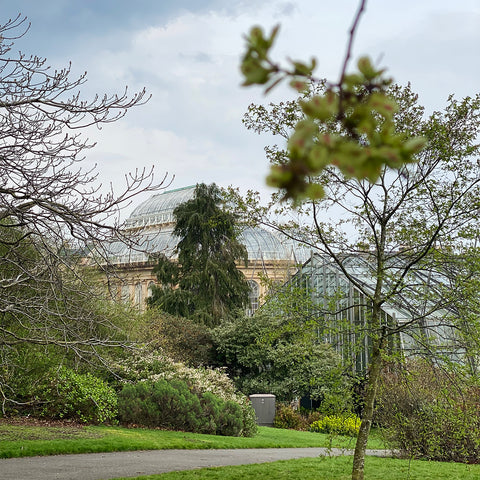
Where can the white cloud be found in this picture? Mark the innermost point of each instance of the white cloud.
(190, 63)
(192, 126)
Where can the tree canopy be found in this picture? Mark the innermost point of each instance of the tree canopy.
(279, 351)
(413, 225)
(204, 283)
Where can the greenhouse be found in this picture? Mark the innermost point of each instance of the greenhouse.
(150, 228)
(343, 311)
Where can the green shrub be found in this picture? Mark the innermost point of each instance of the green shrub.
(82, 397)
(250, 427)
(174, 405)
(26, 371)
(288, 417)
(337, 424)
(211, 406)
(160, 404)
(230, 419)
(280, 355)
(181, 339)
(151, 366)
(430, 413)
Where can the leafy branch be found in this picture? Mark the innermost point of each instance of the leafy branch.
(348, 125)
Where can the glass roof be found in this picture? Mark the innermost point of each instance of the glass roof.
(417, 282)
(146, 243)
(155, 218)
(158, 209)
(260, 244)
(263, 245)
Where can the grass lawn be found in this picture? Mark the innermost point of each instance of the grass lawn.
(331, 468)
(28, 440)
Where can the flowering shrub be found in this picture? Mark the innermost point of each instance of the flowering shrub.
(337, 424)
(153, 366)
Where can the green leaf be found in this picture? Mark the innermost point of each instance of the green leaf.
(382, 104)
(321, 107)
(414, 145)
(367, 69)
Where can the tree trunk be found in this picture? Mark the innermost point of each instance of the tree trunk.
(372, 386)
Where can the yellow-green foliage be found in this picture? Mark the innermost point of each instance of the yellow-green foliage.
(338, 424)
(82, 397)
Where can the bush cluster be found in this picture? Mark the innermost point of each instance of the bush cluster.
(201, 399)
(315, 421)
(181, 339)
(337, 424)
(280, 355)
(152, 366)
(286, 416)
(81, 397)
(427, 412)
(174, 405)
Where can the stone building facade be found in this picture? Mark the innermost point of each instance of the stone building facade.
(152, 224)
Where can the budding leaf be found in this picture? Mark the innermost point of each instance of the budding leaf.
(366, 68)
(414, 145)
(351, 126)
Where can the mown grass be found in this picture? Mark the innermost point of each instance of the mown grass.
(330, 468)
(24, 440)
(28, 440)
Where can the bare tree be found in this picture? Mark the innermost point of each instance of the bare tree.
(51, 208)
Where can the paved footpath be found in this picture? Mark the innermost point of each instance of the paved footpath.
(102, 466)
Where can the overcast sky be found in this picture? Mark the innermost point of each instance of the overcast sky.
(186, 53)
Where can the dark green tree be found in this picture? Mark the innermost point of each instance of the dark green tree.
(204, 284)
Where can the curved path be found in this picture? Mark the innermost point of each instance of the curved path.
(102, 466)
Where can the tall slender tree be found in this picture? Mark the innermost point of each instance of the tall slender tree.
(204, 283)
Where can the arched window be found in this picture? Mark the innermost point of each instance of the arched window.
(138, 294)
(253, 297)
(150, 289)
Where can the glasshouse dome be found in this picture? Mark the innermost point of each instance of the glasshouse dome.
(158, 209)
(151, 224)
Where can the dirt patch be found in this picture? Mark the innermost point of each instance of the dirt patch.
(28, 428)
(40, 422)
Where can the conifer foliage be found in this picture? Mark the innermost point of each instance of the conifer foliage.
(205, 283)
